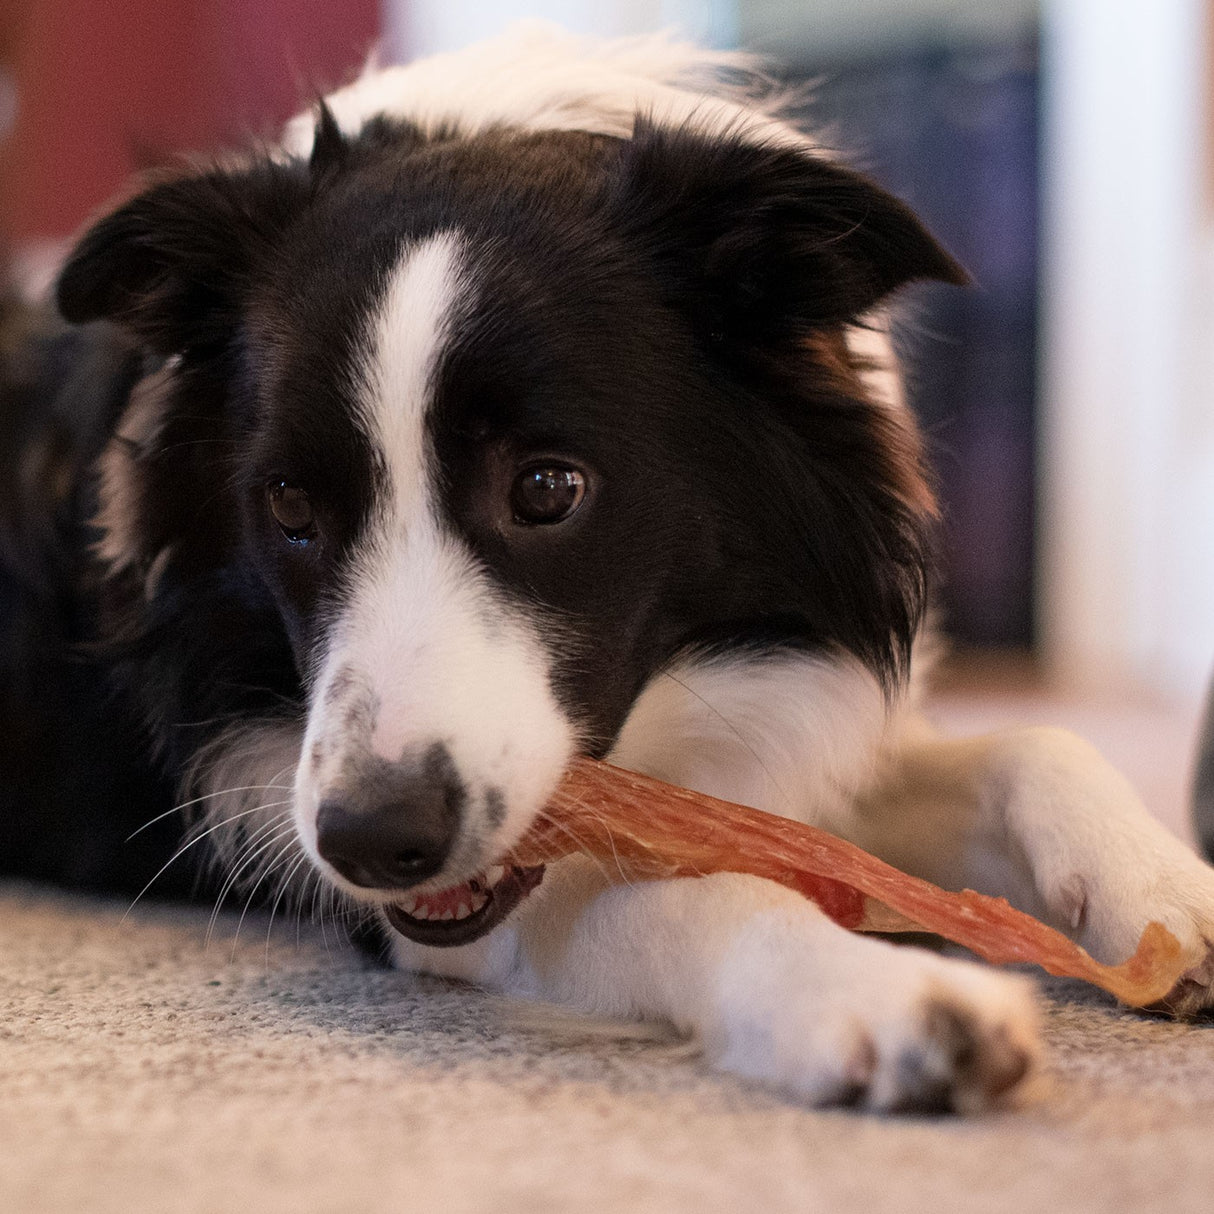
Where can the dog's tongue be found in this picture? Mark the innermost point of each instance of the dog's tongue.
(448, 899)
(448, 903)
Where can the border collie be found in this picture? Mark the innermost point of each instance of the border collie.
(523, 403)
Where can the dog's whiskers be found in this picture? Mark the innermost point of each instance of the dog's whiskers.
(267, 867)
(196, 839)
(284, 884)
(276, 829)
(219, 792)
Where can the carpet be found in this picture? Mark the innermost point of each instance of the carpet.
(270, 1068)
(142, 1068)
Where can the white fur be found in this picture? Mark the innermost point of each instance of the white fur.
(431, 650)
(538, 77)
(736, 727)
(421, 306)
(242, 790)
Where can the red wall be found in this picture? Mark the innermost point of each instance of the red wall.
(104, 86)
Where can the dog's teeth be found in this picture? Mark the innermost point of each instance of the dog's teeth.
(494, 875)
(409, 906)
(463, 911)
(447, 914)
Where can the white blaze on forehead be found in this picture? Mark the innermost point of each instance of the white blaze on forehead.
(427, 649)
(406, 341)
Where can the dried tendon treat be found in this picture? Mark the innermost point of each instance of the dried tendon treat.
(645, 829)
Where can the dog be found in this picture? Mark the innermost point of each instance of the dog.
(528, 402)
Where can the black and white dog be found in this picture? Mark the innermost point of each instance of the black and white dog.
(530, 402)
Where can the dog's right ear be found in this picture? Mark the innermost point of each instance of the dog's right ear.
(172, 265)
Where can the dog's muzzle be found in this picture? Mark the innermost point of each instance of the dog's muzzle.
(393, 826)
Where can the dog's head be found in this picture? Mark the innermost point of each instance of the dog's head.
(447, 445)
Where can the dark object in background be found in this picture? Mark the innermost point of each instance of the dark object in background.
(1203, 781)
(953, 130)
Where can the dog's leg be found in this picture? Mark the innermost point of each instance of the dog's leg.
(775, 990)
(1038, 816)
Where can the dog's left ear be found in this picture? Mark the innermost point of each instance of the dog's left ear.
(766, 243)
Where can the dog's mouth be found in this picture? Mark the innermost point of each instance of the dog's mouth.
(463, 913)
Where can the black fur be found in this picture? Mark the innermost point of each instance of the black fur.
(75, 779)
(664, 312)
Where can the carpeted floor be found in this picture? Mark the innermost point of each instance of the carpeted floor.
(143, 1069)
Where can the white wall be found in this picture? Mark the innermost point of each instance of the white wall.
(1127, 436)
(423, 27)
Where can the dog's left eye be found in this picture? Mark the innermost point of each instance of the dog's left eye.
(292, 511)
(547, 494)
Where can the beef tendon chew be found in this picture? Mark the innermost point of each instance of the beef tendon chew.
(639, 828)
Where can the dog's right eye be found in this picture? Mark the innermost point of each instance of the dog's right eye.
(293, 512)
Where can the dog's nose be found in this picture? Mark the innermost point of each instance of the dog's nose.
(396, 824)
(389, 847)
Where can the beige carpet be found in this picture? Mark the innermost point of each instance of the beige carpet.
(142, 1069)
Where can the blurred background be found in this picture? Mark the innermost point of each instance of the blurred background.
(1062, 150)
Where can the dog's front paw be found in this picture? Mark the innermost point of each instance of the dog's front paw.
(1105, 868)
(1110, 904)
(1102, 866)
(882, 1027)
